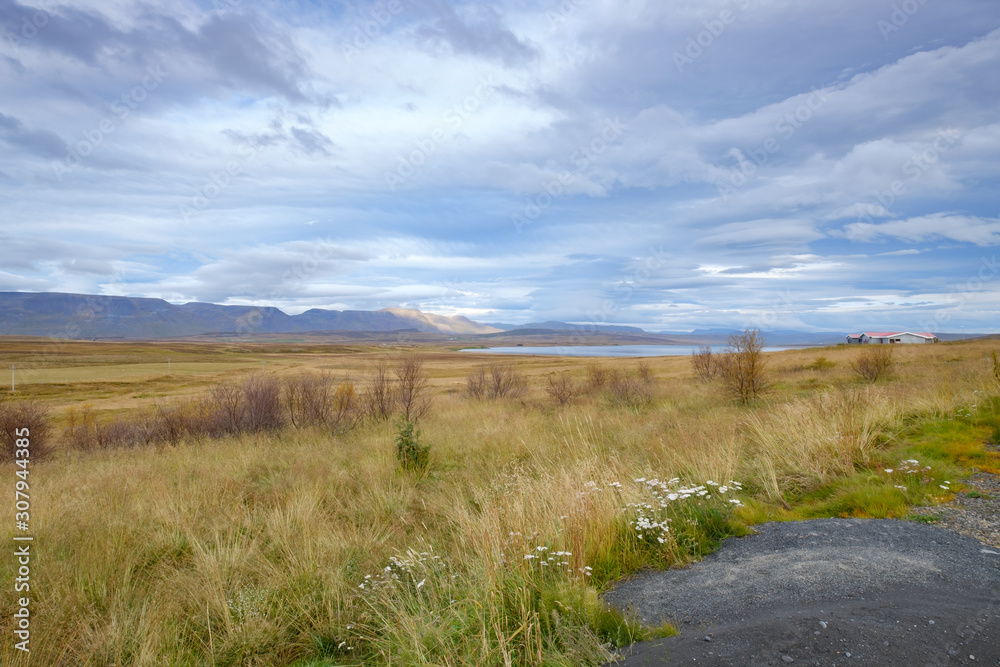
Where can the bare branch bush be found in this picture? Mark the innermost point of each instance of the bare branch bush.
(21, 415)
(597, 378)
(874, 362)
(321, 401)
(379, 396)
(633, 390)
(704, 363)
(742, 366)
(252, 405)
(562, 389)
(475, 383)
(411, 382)
(500, 379)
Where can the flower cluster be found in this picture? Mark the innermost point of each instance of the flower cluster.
(554, 560)
(412, 568)
(652, 520)
(910, 469)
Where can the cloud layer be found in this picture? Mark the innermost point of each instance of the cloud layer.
(668, 165)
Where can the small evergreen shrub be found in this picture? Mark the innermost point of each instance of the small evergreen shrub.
(411, 453)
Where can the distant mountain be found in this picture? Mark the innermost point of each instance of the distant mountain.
(61, 315)
(565, 326)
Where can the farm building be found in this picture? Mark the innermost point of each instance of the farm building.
(889, 337)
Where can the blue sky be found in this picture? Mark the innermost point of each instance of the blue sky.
(670, 165)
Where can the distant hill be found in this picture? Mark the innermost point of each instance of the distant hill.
(59, 315)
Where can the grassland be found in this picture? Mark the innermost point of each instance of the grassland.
(302, 547)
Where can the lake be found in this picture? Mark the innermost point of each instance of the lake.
(607, 350)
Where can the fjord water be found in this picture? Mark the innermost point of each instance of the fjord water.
(606, 350)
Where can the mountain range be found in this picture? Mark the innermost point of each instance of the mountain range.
(61, 315)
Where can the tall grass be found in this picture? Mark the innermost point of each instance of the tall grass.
(310, 546)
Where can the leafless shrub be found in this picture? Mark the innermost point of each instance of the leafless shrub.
(249, 406)
(79, 430)
(742, 366)
(320, 400)
(644, 372)
(475, 383)
(632, 390)
(562, 389)
(411, 382)
(20, 415)
(597, 378)
(379, 397)
(874, 362)
(500, 379)
(85, 432)
(704, 363)
(175, 422)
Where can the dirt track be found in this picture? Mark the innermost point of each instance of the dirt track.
(826, 592)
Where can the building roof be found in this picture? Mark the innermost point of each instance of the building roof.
(890, 334)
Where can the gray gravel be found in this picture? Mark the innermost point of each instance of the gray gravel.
(825, 592)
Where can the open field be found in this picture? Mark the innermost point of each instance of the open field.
(311, 547)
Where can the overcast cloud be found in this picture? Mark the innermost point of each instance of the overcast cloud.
(671, 165)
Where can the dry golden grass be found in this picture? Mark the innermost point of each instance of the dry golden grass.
(251, 551)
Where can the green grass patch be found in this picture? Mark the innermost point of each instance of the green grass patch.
(863, 495)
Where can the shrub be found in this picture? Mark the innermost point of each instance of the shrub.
(250, 406)
(411, 382)
(411, 453)
(704, 364)
(632, 390)
(562, 389)
(820, 364)
(17, 415)
(84, 432)
(597, 378)
(500, 379)
(379, 398)
(742, 366)
(319, 400)
(874, 362)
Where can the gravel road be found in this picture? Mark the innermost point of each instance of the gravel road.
(826, 592)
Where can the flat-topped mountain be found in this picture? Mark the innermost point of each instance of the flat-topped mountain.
(60, 315)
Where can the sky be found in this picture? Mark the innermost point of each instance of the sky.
(673, 165)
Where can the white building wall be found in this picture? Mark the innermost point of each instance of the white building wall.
(910, 338)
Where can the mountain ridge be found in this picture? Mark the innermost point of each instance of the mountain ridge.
(67, 315)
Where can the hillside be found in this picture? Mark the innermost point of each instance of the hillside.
(58, 315)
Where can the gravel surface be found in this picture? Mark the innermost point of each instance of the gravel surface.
(976, 514)
(826, 592)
